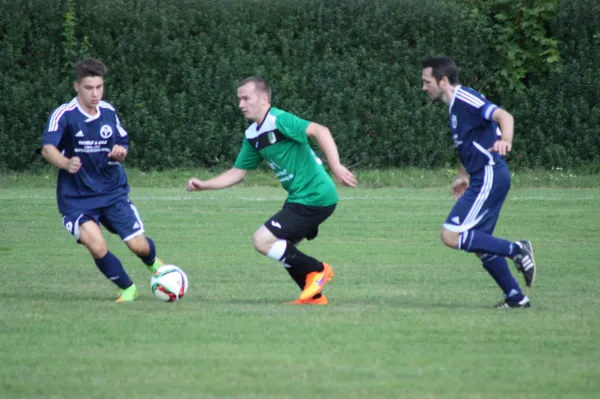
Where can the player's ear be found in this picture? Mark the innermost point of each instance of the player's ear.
(444, 81)
(76, 86)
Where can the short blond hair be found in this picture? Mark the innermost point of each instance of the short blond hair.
(260, 83)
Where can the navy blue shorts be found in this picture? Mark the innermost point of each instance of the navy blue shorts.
(479, 206)
(120, 218)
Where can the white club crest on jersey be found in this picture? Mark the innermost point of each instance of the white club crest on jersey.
(106, 131)
(272, 138)
(454, 121)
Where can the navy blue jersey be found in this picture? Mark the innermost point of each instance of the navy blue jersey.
(473, 130)
(100, 181)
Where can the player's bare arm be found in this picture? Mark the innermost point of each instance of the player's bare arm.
(224, 180)
(54, 157)
(507, 124)
(325, 139)
(118, 153)
(460, 183)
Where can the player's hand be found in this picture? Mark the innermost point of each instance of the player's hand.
(118, 153)
(344, 175)
(194, 185)
(459, 185)
(73, 165)
(501, 147)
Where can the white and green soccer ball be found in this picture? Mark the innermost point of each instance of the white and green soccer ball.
(169, 283)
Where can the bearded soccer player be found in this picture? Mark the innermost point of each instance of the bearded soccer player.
(84, 139)
(482, 133)
(282, 140)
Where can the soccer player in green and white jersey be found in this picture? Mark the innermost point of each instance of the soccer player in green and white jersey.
(282, 140)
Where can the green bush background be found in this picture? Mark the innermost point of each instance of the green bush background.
(352, 65)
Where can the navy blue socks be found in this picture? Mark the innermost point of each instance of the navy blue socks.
(151, 257)
(497, 267)
(112, 268)
(479, 242)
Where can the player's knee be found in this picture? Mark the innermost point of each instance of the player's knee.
(138, 245)
(91, 237)
(259, 243)
(450, 238)
(97, 249)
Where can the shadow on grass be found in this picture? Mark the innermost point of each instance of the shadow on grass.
(356, 304)
(351, 304)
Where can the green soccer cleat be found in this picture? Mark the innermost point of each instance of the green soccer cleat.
(128, 294)
(156, 265)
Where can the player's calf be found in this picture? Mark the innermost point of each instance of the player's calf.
(145, 249)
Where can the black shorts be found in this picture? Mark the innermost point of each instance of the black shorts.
(295, 222)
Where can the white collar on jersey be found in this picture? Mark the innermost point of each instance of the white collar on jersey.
(89, 117)
(453, 98)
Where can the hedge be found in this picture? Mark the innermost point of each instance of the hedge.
(352, 65)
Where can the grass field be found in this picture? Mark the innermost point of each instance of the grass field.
(408, 318)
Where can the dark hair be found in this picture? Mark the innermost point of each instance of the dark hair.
(260, 83)
(442, 66)
(89, 67)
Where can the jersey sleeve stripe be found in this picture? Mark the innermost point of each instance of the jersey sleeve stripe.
(122, 131)
(53, 125)
(489, 111)
(472, 96)
(469, 101)
(56, 115)
(474, 101)
(120, 128)
(104, 104)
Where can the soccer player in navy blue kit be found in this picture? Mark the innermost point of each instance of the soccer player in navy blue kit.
(482, 133)
(84, 139)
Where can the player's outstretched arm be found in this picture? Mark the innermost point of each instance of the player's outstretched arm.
(54, 157)
(325, 139)
(226, 179)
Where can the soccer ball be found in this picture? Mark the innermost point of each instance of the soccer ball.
(169, 283)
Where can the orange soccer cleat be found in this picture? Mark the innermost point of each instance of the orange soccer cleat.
(315, 281)
(322, 300)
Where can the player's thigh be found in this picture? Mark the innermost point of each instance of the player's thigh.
(84, 227)
(122, 218)
(91, 236)
(479, 207)
(295, 222)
